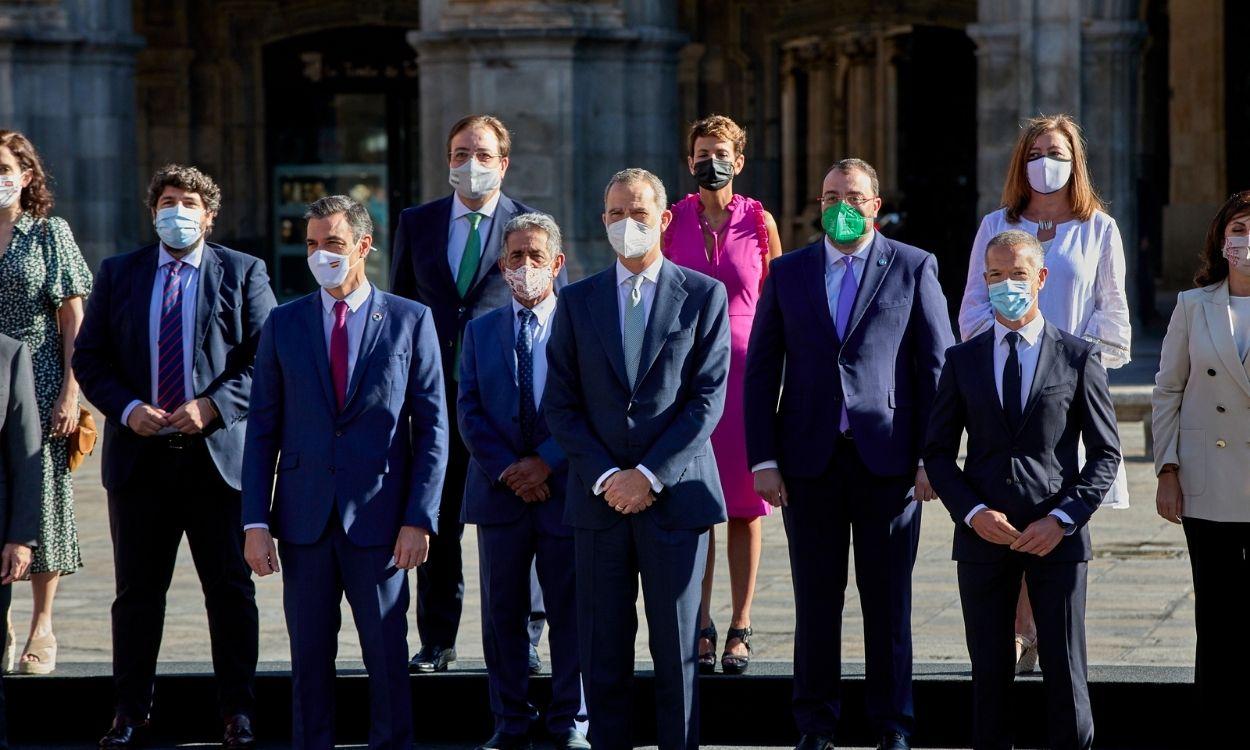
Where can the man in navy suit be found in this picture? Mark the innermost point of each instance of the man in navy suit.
(446, 256)
(515, 490)
(637, 366)
(1028, 395)
(843, 361)
(165, 351)
(347, 407)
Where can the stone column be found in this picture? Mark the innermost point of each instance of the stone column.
(587, 88)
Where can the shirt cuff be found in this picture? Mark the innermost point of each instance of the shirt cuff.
(764, 465)
(1069, 527)
(597, 489)
(129, 408)
(656, 485)
(968, 518)
(920, 464)
(248, 526)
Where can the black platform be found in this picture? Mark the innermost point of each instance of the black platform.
(1135, 708)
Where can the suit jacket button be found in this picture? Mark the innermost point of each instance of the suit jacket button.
(842, 361)
(461, 311)
(1009, 480)
(1211, 371)
(338, 433)
(1220, 444)
(1220, 408)
(331, 469)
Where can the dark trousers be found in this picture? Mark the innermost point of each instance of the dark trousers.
(6, 598)
(1219, 553)
(175, 492)
(508, 553)
(314, 579)
(988, 593)
(440, 581)
(823, 514)
(609, 564)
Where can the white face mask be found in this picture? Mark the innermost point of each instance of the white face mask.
(331, 269)
(1049, 175)
(179, 227)
(527, 282)
(1237, 251)
(474, 181)
(632, 239)
(10, 189)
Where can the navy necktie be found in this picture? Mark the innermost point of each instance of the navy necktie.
(525, 375)
(1011, 383)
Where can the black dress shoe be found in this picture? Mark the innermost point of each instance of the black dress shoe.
(894, 741)
(504, 741)
(238, 733)
(536, 664)
(571, 740)
(815, 742)
(124, 733)
(432, 659)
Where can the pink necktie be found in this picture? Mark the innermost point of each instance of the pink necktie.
(338, 353)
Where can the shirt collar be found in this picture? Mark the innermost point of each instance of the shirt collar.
(543, 310)
(1030, 332)
(650, 273)
(353, 300)
(487, 211)
(833, 254)
(24, 222)
(193, 258)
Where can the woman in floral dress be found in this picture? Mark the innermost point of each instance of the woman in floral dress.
(43, 279)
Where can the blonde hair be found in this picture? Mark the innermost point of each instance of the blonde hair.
(1082, 197)
(718, 126)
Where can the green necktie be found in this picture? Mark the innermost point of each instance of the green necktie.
(472, 256)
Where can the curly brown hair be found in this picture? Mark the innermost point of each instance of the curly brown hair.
(1213, 266)
(36, 197)
(185, 178)
(718, 126)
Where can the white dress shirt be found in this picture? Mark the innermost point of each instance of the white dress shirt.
(188, 279)
(357, 312)
(650, 276)
(1027, 350)
(459, 227)
(542, 333)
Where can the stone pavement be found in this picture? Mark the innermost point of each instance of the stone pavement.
(1141, 604)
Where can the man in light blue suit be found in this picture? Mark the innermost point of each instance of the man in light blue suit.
(637, 366)
(515, 490)
(347, 405)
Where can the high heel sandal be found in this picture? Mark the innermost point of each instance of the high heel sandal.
(43, 648)
(1026, 654)
(733, 663)
(707, 659)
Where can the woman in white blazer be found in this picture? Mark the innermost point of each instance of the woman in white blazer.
(1202, 452)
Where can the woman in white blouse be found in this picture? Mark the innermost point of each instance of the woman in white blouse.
(1202, 451)
(1048, 193)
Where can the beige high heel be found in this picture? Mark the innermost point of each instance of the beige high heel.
(43, 648)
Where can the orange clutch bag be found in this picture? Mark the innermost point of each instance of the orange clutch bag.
(82, 441)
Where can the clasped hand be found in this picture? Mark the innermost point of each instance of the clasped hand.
(1038, 538)
(190, 419)
(628, 491)
(528, 479)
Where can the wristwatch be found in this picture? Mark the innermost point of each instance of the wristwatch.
(1169, 469)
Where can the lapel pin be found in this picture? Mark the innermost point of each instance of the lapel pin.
(881, 261)
(377, 316)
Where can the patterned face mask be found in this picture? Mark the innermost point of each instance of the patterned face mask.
(1237, 251)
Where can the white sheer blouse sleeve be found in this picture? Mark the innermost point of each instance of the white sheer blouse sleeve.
(975, 313)
(1109, 326)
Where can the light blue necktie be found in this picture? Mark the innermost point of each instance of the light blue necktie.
(635, 329)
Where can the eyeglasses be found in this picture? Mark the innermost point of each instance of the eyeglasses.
(855, 199)
(485, 158)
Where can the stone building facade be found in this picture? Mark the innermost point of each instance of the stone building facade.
(284, 99)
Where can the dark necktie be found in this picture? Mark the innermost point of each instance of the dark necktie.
(170, 388)
(525, 375)
(338, 353)
(1011, 382)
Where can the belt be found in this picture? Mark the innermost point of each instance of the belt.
(176, 442)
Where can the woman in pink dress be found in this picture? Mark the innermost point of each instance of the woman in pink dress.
(732, 239)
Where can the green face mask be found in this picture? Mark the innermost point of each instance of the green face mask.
(843, 224)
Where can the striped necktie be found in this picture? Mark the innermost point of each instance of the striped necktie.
(635, 329)
(171, 388)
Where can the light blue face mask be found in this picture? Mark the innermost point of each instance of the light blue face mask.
(1011, 298)
(179, 226)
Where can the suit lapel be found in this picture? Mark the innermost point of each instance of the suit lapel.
(1048, 358)
(817, 293)
(507, 340)
(316, 336)
(669, 296)
(376, 312)
(207, 296)
(435, 260)
(142, 278)
(876, 266)
(505, 209)
(605, 312)
(1215, 308)
(989, 377)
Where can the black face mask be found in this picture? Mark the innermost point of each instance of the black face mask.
(713, 174)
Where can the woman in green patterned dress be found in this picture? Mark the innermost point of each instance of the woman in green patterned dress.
(43, 279)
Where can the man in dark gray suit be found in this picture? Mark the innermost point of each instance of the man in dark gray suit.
(1022, 500)
(637, 365)
(21, 476)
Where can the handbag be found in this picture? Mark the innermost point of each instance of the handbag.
(82, 440)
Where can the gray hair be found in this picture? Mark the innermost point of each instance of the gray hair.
(845, 166)
(539, 221)
(637, 174)
(357, 216)
(1019, 240)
